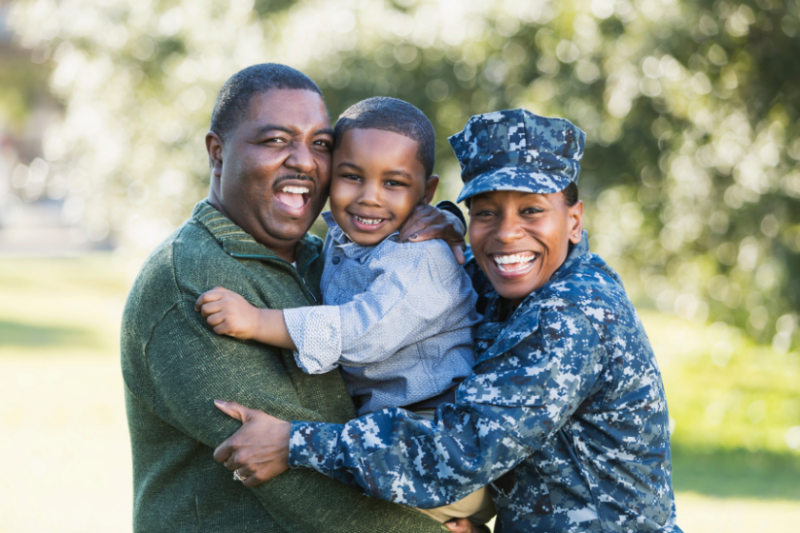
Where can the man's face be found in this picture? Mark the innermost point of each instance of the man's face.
(520, 239)
(274, 167)
(377, 181)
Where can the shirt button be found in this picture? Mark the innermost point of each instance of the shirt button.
(336, 260)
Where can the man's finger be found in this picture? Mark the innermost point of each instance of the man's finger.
(233, 410)
(458, 251)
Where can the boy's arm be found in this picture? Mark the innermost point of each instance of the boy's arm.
(190, 367)
(422, 294)
(230, 314)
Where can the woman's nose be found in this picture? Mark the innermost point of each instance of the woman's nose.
(508, 229)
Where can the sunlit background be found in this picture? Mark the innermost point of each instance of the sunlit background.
(691, 180)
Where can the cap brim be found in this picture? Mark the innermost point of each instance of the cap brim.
(514, 179)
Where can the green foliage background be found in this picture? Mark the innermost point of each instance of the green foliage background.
(690, 176)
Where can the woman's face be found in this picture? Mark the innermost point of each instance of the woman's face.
(519, 239)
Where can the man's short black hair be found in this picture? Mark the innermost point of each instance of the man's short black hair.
(234, 98)
(391, 114)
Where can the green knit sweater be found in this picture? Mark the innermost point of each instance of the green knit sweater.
(174, 366)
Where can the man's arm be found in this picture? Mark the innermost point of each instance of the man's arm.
(186, 382)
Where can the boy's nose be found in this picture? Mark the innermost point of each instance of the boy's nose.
(371, 194)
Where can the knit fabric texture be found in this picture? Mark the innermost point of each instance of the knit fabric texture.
(174, 366)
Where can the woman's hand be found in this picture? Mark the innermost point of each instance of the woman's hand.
(259, 450)
(427, 222)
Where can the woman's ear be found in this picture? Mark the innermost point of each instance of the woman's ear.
(430, 189)
(575, 214)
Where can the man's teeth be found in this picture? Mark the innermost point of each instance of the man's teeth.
(368, 221)
(295, 190)
(518, 260)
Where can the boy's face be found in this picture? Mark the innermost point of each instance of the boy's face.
(375, 184)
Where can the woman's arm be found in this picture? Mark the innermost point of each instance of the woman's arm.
(230, 314)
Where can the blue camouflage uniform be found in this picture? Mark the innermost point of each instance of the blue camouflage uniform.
(564, 417)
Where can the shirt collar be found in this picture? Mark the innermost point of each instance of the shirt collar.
(237, 242)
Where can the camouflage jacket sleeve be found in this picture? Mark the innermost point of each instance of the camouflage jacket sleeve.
(515, 400)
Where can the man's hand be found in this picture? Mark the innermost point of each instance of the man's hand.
(228, 313)
(427, 222)
(259, 450)
(463, 525)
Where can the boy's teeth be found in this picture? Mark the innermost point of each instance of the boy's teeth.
(368, 221)
(295, 190)
(518, 260)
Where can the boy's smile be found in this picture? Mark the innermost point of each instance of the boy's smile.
(377, 181)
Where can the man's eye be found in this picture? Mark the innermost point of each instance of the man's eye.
(275, 140)
(324, 144)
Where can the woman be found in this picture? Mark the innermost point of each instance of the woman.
(564, 417)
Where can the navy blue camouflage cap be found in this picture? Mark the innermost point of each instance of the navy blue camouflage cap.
(515, 150)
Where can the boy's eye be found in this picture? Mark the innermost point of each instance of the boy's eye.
(395, 183)
(351, 177)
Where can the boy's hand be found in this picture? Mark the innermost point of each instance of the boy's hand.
(228, 313)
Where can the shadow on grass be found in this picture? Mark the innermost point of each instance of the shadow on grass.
(736, 473)
(17, 334)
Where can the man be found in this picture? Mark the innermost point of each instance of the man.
(269, 152)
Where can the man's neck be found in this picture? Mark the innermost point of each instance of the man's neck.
(285, 253)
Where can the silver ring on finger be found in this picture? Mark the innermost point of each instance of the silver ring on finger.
(238, 477)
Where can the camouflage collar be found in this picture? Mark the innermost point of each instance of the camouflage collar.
(238, 243)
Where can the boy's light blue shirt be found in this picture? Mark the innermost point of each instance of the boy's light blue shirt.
(397, 317)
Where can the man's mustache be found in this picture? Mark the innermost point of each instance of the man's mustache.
(296, 177)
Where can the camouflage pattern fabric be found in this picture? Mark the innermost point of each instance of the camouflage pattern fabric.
(565, 419)
(515, 150)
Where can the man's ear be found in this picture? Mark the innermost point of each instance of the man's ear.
(430, 189)
(575, 214)
(214, 149)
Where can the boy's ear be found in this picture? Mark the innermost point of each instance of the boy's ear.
(430, 189)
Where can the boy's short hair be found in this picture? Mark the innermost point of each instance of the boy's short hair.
(391, 114)
(234, 98)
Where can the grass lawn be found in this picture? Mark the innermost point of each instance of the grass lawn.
(65, 438)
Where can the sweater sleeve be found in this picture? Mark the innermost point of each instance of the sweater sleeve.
(190, 366)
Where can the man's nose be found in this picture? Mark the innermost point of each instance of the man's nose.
(301, 158)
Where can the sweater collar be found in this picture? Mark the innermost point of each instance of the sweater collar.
(238, 243)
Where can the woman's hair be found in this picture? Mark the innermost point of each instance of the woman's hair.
(570, 194)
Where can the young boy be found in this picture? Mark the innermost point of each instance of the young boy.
(396, 317)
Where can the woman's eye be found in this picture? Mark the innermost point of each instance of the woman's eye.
(532, 211)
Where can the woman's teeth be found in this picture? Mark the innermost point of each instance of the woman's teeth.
(368, 221)
(513, 262)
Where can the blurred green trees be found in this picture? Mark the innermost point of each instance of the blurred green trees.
(691, 111)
